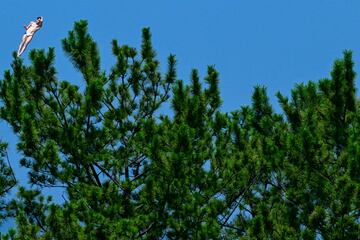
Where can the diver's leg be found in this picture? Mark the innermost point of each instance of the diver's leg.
(23, 40)
(27, 41)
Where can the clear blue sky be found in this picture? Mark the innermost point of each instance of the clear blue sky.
(275, 43)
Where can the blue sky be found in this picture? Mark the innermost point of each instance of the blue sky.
(275, 43)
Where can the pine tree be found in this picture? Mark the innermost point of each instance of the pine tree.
(129, 171)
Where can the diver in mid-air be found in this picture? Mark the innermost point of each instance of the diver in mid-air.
(31, 29)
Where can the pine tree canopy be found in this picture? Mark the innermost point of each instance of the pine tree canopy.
(128, 169)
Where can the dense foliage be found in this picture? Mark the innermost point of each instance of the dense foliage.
(7, 181)
(127, 170)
